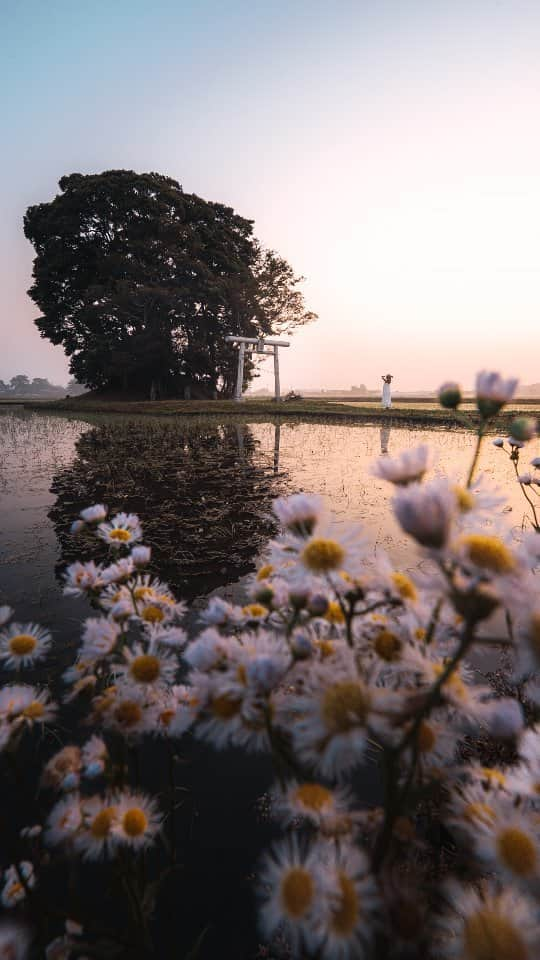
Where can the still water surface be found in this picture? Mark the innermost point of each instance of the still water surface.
(203, 489)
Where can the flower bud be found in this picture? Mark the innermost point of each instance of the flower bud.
(505, 720)
(264, 595)
(301, 646)
(318, 605)
(298, 599)
(450, 395)
(141, 556)
(523, 428)
(77, 527)
(525, 479)
(498, 442)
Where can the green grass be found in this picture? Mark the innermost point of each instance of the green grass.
(428, 413)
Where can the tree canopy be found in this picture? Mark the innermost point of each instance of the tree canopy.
(140, 282)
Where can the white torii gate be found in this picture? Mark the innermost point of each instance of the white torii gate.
(259, 346)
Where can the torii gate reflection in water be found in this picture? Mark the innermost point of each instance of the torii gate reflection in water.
(256, 345)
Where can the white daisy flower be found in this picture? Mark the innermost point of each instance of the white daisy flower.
(219, 612)
(209, 650)
(458, 690)
(61, 772)
(125, 710)
(165, 636)
(349, 906)
(510, 845)
(94, 756)
(23, 644)
(118, 572)
(333, 716)
(408, 467)
(492, 392)
(300, 513)
(290, 887)
(123, 530)
(96, 838)
(94, 514)
(488, 924)
(312, 802)
(64, 821)
(137, 820)
(327, 553)
(99, 638)
(146, 669)
(426, 512)
(82, 578)
(17, 880)
(468, 806)
(25, 703)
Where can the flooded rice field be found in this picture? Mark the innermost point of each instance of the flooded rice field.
(203, 489)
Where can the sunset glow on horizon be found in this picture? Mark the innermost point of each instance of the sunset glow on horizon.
(390, 151)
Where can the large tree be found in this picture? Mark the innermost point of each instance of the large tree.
(140, 282)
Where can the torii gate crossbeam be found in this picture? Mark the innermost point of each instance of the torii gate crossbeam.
(259, 345)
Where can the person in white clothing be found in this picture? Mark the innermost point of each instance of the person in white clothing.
(386, 394)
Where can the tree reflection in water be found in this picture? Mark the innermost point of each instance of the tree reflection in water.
(202, 489)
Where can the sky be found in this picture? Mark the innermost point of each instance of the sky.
(389, 149)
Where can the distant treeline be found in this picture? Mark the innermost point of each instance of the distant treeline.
(22, 386)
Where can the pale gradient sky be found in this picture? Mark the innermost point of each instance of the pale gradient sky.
(390, 149)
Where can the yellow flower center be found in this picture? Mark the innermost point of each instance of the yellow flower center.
(265, 571)
(22, 644)
(297, 891)
(334, 613)
(420, 633)
(313, 796)
(465, 499)
(404, 586)
(488, 936)
(454, 683)
(15, 889)
(225, 707)
(493, 776)
(141, 592)
(152, 614)
(479, 811)
(345, 916)
(488, 553)
(165, 717)
(426, 737)
(321, 555)
(345, 705)
(517, 851)
(145, 669)
(326, 648)
(128, 713)
(255, 610)
(34, 710)
(123, 536)
(387, 645)
(102, 823)
(134, 822)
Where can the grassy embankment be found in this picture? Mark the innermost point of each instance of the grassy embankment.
(409, 411)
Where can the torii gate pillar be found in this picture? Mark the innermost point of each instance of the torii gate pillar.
(259, 346)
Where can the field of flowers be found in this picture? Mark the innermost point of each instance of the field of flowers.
(337, 662)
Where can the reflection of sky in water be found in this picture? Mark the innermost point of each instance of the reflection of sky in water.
(333, 460)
